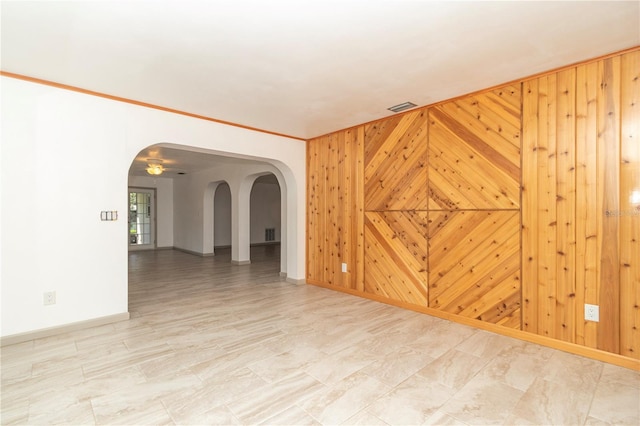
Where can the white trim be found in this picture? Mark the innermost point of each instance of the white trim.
(65, 328)
(195, 253)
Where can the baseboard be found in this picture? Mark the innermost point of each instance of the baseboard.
(60, 329)
(266, 243)
(283, 275)
(296, 282)
(195, 253)
(240, 262)
(597, 354)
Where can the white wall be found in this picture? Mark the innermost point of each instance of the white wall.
(194, 207)
(164, 206)
(52, 195)
(222, 216)
(265, 210)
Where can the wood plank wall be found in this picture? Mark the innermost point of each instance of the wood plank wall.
(581, 219)
(515, 206)
(335, 209)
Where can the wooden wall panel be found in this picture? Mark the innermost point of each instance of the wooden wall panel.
(630, 207)
(444, 209)
(395, 174)
(580, 167)
(474, 152)
(608, 192)
(587, 283)
(474, 264)
(530, 191)
(549, 206)
(396, 255)
(335, 209)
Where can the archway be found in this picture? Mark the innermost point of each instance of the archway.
(194, 225)
(265, 211)
(222, 217)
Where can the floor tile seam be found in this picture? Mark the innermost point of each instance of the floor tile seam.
(505, 422)
(119, 364)
(5, 382)
(593, 396)
(40, 357)
(385, 394)
(298, 399)
(98, 376)
(584, 413)
(235, 416)
(168, 411)
(513, 389)
(458, 419)
(93, 411)
(298, 405)
(367, 411)
(480, 369)
(554, 379)
(359, 370)
(589, 414)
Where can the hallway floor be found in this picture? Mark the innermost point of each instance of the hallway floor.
(213, 343)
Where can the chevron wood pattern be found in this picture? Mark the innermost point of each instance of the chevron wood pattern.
(474, 264)
(396, 255)
(395, 173)
(474, 152)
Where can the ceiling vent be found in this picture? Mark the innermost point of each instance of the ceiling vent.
(402, 107)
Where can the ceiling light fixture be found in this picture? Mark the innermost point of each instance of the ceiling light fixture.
(154, 166)
(402, 107)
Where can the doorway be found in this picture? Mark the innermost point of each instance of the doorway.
(142, 220)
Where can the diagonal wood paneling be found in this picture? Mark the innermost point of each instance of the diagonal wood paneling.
(474, 264)
(395, 173)
(396, 255)
(474, 152)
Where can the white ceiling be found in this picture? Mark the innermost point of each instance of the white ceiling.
(178, 161)
(303, 68)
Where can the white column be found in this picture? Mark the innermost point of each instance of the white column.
(208, 219)
(240, 224)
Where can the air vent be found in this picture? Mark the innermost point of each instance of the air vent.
(402, 107)
(270, 234)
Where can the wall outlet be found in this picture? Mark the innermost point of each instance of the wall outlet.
(592, 312)
(344, 267)
(49, 297)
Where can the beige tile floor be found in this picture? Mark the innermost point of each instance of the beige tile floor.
(213, 343)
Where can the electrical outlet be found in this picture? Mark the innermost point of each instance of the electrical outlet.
(49, 297)
(344, 267)
(591, 312)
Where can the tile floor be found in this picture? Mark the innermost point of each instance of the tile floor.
(213, 343)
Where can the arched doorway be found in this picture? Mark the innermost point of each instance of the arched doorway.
(265, 217)
(195, 191)
(222, 217)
